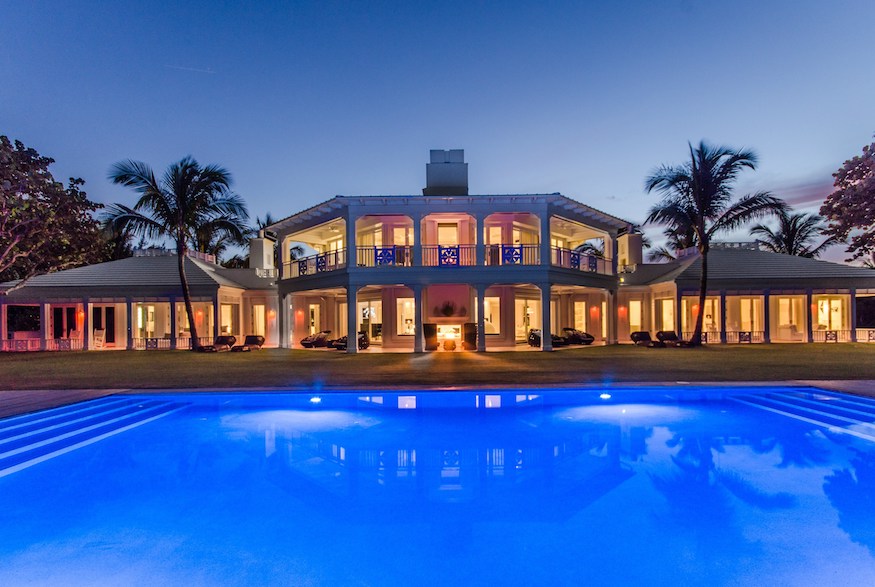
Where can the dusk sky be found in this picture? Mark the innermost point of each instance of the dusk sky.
(305, 100)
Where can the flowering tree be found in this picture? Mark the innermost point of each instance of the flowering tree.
(850, 209)
(43, 225)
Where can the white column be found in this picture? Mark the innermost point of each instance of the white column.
(418, 340)
(129, 316)
(546, 339)
(351, 251)
(286, 323)
(44, 324)
(417, 240)
(86, 325)
(480, 251)
(545, 240)
(810, 326)
(173, 333)
(352, 326)
(481, 319)
(612, 316)
(216, 316)
(853, 315)
(4, 321)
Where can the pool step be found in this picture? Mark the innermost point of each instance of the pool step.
(839, 413)
(26, 441)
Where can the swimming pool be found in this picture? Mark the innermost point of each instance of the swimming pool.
(656, 486)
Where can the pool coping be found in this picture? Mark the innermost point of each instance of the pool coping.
(17, 402)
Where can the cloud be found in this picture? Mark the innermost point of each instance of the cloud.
(195, 69)
(805, 194)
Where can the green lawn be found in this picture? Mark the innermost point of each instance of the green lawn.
(283, 368)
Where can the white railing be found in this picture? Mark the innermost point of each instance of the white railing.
(22, 345)
(745, 336)
(449, 255)
(831, 336)
(513, 254)
(151, 344)
(330, 261)
(580, 262)
(64, 344)
(395, 255)
(865, 334)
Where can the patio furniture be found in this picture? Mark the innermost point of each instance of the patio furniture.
(250, 343)
(320, 339)
(220, 345)
(670, 338)
(642, 338)
(575, 336)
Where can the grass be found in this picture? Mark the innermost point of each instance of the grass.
(279, 368)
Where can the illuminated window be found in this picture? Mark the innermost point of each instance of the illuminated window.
(448, 234)
(580, 316)
(635, 319)
(491, 315)
(405, 316)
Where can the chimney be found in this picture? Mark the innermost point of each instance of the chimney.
(446, 174)
(261, 251)
(630, 249)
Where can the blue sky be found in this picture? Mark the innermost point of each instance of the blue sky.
(305, 100)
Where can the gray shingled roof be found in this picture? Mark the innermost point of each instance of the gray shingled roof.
(740, 267)
(138, 276)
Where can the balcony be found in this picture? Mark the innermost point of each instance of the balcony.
(574, 260)
(445, 256)
(330, 261)
(449, 255)
(400, 256)
(513, 254)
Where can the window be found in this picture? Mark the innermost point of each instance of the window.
(448, 234)
(493, 235)
(635, 318)
(257, 326)
(229, 319)
(492, 315)
(402, 236)
(580, 316)
(405, 317)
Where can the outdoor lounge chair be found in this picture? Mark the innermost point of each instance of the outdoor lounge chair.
(670, 338)
(220, 345)
(250, 343)
(642, 338)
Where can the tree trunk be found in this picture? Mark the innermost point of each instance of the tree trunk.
(696, 339)
(186, 295)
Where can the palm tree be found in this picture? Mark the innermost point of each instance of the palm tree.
(698, 194)
(678, 238)
(187, 198)
(793, 235)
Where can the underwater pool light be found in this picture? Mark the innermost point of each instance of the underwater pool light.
(316, 400)
(605, 396)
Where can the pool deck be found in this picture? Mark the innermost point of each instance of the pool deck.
(15, 402)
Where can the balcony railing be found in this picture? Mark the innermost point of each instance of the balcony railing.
(449, 255)
(64, 344)
(513, 254)
(445, 256)
(866, 335)
(831, 336)
(330, 261)
(20, 345)
(396, 255)
(571, 259)
(745, 336)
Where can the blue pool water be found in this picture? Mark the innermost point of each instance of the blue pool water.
(719, 486)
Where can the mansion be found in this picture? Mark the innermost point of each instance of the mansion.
(413, 272)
